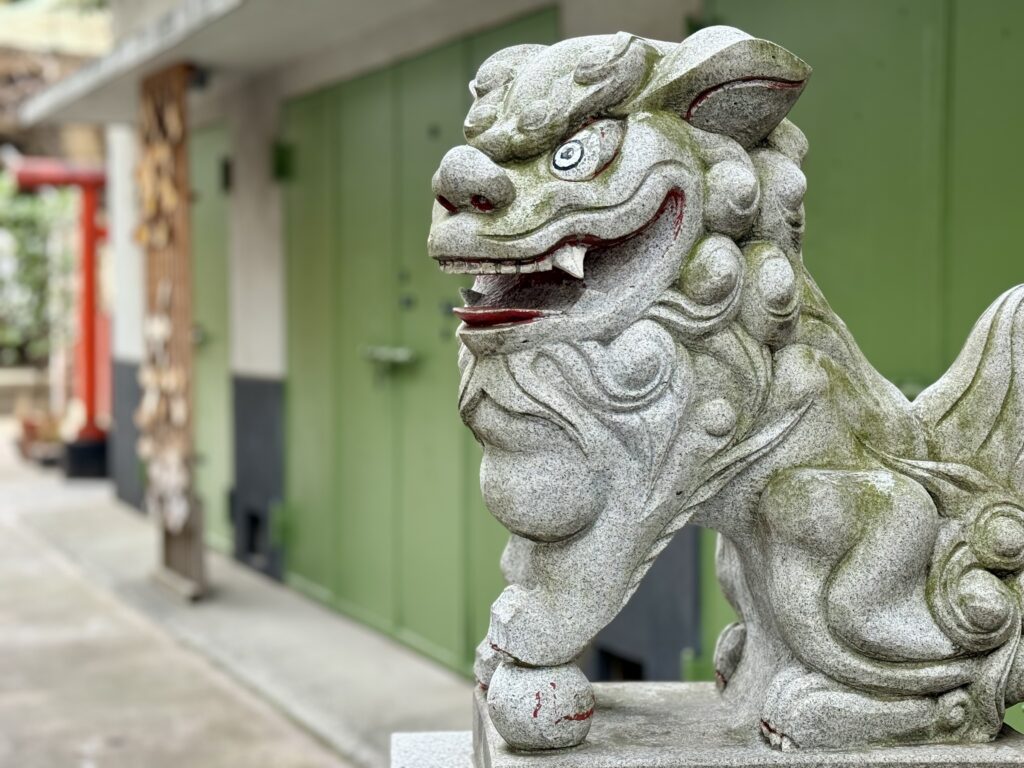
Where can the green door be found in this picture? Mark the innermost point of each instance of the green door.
(985, 168)
(384, 518)
(911, 186)
(212, 401)
(430, 525)
(309, 532)
(364, 321)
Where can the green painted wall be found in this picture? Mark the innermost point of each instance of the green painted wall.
(912, 118)
(212, 401)
(383, 512)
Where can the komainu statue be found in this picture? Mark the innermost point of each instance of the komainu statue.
(643, 348)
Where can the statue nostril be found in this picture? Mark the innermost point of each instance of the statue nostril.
(481, 203)
(447, 204)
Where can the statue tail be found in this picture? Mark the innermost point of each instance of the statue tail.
(974, 414)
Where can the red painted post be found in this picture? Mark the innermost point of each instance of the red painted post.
(90, 235)
(34, 172)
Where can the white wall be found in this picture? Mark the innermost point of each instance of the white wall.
(256, 259)
(128, 263)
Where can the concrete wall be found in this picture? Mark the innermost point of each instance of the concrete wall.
(128, 264)
(128, 16)
(129, 298)
(256, 259)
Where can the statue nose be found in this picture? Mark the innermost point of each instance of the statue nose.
(469, 180)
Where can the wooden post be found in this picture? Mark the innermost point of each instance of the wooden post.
(165, 415)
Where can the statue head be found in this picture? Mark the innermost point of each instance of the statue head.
(618, 199)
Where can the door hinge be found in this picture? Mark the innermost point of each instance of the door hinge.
(282, 161)
(226, 174)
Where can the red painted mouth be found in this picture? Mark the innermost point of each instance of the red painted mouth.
(483, 316)
(505, 287)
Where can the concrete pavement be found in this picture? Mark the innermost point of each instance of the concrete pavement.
(271, 658)
(87, 683)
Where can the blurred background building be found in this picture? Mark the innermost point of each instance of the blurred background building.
(41, 42)
(322, 377)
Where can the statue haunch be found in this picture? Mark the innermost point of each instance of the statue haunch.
(643, 348)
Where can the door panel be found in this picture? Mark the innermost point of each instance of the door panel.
(384, 517)
(985, 167)
(912, 180)
(364, 319)
(310, 463)
(212, 399)
(873, 113)
(432, 99)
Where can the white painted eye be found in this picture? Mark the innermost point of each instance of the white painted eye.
(568, 155)
(588, 152)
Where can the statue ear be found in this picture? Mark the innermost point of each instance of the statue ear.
(725, 81)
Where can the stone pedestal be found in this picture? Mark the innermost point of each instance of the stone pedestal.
(673, 725)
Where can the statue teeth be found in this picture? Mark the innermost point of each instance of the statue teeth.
(470, 297)
(569, 258)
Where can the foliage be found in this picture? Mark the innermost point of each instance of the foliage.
(31, 261)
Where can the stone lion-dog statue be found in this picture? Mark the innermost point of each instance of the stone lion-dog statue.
(643, 348)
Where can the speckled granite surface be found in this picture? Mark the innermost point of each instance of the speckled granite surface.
(674, 725)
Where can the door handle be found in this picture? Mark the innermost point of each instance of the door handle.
(389, 356)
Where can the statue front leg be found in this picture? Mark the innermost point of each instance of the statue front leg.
(566, 593)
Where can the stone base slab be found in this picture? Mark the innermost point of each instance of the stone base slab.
(674, 725)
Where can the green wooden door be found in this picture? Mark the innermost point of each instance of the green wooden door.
(431, 526)
(986, 116)
(873, 113)
(310, 467)
(384, 517)
(363, 203)
(911, 187)
(212, 400)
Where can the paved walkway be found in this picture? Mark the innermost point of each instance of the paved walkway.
(101, 668)
(86, 683)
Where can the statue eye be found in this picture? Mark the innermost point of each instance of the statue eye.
(588, 152)
(568, 155)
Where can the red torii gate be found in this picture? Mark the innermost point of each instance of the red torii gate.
(87, 456)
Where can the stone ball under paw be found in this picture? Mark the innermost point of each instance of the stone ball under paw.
(541, 707)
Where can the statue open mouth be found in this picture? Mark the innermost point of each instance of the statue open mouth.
(553, 283)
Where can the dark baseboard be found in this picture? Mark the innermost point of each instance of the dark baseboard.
(259, 471)
(124, 466)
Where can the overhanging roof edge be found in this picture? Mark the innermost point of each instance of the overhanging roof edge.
(129, 56)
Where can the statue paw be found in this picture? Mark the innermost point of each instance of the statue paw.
(525, 628)
(807, 709)
(728, 652)
(776, 739)
(486, 662)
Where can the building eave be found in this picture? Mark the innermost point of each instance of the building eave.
(308, 44)
(105, 90)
